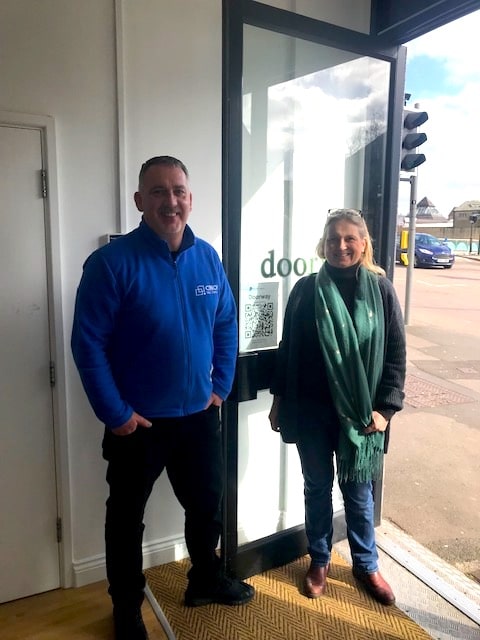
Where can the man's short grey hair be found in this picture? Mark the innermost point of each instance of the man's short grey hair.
(167, 161)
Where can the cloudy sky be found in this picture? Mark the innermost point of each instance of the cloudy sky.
(443, 76)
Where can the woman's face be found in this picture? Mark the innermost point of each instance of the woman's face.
(343, 245)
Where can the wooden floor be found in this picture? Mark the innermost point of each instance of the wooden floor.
(67, 614)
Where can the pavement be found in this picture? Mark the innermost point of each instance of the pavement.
(435, 444)
(429, 539)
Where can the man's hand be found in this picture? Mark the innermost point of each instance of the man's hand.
(131, 425)
(378, 423)
(215, 400)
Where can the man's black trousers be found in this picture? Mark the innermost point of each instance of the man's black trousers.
(190, 449)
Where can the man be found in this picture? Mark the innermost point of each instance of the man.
(155, 341)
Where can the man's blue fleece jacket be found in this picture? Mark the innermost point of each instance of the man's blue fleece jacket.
(153, 333)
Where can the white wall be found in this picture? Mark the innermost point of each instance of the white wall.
(173, 80)
(173, 105)
(59, 58)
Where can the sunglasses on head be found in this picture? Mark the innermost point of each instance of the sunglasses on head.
(345, 212)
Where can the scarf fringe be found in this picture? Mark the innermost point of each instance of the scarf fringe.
(364, 466)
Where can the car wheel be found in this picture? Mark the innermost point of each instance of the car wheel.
(448, 266)
(416, 264)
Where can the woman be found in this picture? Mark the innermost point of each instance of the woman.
(339, 380)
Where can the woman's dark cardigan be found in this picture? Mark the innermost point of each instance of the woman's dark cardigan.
(285, 379)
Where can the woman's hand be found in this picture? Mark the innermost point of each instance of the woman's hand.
(378, 423)
(273, 415)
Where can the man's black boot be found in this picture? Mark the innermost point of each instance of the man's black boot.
(128, 623)
(222, 591)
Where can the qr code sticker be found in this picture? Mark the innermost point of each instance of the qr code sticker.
(259, 320)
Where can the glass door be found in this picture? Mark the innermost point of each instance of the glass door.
(313, 137)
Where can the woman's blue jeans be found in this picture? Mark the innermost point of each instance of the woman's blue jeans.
(316, 446)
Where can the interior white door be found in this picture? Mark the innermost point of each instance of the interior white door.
(29, 554)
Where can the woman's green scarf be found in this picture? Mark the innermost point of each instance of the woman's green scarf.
(354, 353)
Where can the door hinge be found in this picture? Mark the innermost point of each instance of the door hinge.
(52, 373)
(59, 530)
(43, 178)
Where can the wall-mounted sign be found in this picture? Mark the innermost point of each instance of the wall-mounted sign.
(258, 316)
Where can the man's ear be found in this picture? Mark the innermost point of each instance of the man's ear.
(138, 200)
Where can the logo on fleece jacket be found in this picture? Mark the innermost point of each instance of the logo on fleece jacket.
(206, 289)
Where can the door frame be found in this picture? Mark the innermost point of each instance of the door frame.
(283, 547)
(46, 126)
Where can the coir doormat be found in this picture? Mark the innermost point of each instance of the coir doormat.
(279, 611)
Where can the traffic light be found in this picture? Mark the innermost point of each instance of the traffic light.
(412, 139)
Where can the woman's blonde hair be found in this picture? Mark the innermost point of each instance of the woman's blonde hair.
(354, 217)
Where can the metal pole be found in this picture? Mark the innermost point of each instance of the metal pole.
(411, 245)
(159, 613)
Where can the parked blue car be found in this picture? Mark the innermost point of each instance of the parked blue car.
(429, 252)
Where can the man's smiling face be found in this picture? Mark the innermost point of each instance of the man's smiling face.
(165, 199)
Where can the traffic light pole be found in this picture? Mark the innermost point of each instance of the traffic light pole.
(409, 161)
(473, 221)
(412, 222)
